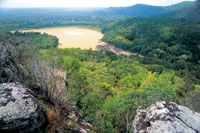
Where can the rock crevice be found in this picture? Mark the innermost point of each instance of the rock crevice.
(8, 68)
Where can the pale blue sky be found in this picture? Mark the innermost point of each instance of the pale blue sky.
(83, 3)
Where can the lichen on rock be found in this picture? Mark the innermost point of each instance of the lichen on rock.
(19, 110)
(164, 117)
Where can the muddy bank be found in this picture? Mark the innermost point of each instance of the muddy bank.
(114, 49)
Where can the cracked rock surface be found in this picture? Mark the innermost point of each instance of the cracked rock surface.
(19, 110)
(8, 68)
(164, 117)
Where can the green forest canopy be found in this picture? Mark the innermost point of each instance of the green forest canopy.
(107, 88)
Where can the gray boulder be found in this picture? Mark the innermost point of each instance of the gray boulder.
(8, 67)
(165, 117)
(19, 110)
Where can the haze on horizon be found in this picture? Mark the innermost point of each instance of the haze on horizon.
(82, 3)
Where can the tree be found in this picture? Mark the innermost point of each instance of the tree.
(192, 99)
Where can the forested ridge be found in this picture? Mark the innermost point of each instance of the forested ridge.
(108, 88)
(28, 18)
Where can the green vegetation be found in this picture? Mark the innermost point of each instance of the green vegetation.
(174, 45)
(108, 88)
(18, 19)
(192, 99)
(41, 41)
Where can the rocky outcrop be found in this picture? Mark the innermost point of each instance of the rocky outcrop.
(8, 68)
(81, 125)
(165, 117)
(19, 110)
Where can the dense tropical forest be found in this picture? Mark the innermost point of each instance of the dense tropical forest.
(108, 88)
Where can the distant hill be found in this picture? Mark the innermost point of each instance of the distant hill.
(183, 9)
(180, 10)
(179, 6)
(140, 10)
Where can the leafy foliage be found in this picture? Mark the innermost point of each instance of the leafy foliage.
(108, 90)
(41, 41)
(174, 45)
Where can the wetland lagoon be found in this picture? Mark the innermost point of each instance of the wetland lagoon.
(73, 37)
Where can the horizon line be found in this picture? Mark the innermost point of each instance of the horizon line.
(92, 7)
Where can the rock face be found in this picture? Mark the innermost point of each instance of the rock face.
(8, 69)
(19, 110)
(81, 125)
(165, 117)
